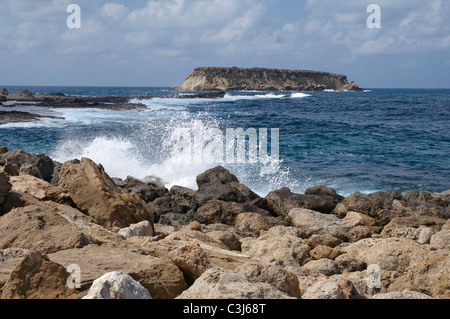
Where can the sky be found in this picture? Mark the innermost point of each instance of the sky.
(159, 43)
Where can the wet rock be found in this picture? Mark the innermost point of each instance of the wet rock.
(326, 192)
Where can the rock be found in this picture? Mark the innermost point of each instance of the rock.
(275, 275)
(351, 262)
(26, 94)
(217, 175)
(426, 199)
(95, 194)
(321, 251)
(191, 260)
(325, 192)
(3, 149)
(11, 170)
(359, 232)
(425, 236)
(404, 264)
(377, 205)
(262, 79)
(49, 227)
(323, 266)
(405, 294)
(11, 253)
(176, 220)
(147, 191)
(37, 163)
(282, 201)
(39, 189)
(141, 229)
(228, 239)
(410, 226)
(279, 244)
(5, 187)
(165, 205)
(4, 91)
(217, 211)
(336, 288)
(358, 219)
(185, 198)
(217, 283)
(117, 285)
(325, 239)
(37, 277)
(314, 223)
(257, 223)
(441, 240)
(159, 276)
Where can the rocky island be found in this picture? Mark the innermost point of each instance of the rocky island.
(137, 239)
(261, 79)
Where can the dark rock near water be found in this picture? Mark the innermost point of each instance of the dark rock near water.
(41, 165)
(4, 91)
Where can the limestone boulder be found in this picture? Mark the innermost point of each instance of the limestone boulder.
(95, 194)
(117, 285)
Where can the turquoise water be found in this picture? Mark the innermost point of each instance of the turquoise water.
(383, 139)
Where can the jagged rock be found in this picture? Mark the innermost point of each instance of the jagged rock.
(425, 236)
(325, 239)
(314, 223)
(159, 276)
(275, 275)
(117, 285)
(282, 201)
(405, 294)
(39, 189)
(95, 194)
(321, 251)
(191, 260)
(257, 223)
(323, 266)
(11, 170)
(142, 229)
(377, 205)
(5, 187)
(217, 175)
(49, 227)
(218, 283)
(359, 232)
(358, 219)
(441, 240)
(4, 91)
(336, 288)
(37, 277)
(326, 192)
(3, 149)
(217, 211)
(185, 198)
(351, 262)
(284, 244)
(38, 163)
(147, 191)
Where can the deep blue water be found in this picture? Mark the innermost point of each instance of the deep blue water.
(385, 139)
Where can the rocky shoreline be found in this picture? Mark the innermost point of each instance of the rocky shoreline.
(138, 239)
(60, 100)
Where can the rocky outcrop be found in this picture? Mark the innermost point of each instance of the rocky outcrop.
(220, 241)
(260, 79)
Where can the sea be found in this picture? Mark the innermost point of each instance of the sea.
(376, 140)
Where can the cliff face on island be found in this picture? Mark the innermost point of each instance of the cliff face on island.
(259, 79)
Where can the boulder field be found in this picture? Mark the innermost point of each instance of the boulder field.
(133, 239)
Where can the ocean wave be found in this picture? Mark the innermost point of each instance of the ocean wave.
(299, 95)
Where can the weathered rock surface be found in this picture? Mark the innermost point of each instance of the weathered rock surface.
(141, 229)
(37, 277)
(159, 276)
(95, 194)
(282, 201)
(218, 283)
(117, 285)
(241, 79)
(405, 294)
(5, 187)
(332, 289)
(49, 227)
(43, 164)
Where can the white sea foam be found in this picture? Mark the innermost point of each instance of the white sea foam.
(299, 95)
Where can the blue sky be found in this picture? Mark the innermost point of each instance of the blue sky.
(159, 43)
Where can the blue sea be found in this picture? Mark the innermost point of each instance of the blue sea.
(380, 139)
